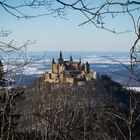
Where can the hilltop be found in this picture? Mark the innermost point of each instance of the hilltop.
(96, 110)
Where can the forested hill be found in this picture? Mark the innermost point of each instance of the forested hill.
(101, 110)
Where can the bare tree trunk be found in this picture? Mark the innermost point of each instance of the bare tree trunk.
(130, 133)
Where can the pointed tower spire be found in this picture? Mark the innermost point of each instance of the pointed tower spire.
(87, 67)
(71, 59)
(80, 60)
(60, 55)
(60, 60)
(53, 62)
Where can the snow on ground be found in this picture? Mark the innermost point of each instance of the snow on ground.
(106, 60)
(137, 89)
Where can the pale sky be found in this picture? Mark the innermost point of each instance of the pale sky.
(52, 33)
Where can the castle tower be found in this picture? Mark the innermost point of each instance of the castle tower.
(60, 60)
(53, 61)
(80, 60)
(61, 55)
(71, 59)
(87, 68)
(53, 66)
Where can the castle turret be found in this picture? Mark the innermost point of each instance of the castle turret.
(80, 60)
(60, 60)
(53, 61)
(61, 55)
(87, 67)
(71, 59)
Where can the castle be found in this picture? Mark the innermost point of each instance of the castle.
(69, 71)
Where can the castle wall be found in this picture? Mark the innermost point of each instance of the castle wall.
(70, 80)
(55, 68)
(54, 76)
(47, 76)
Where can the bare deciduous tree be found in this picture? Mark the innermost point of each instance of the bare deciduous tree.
(58, 117)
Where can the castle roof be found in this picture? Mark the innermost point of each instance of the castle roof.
(71, 59)
(60, 57)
